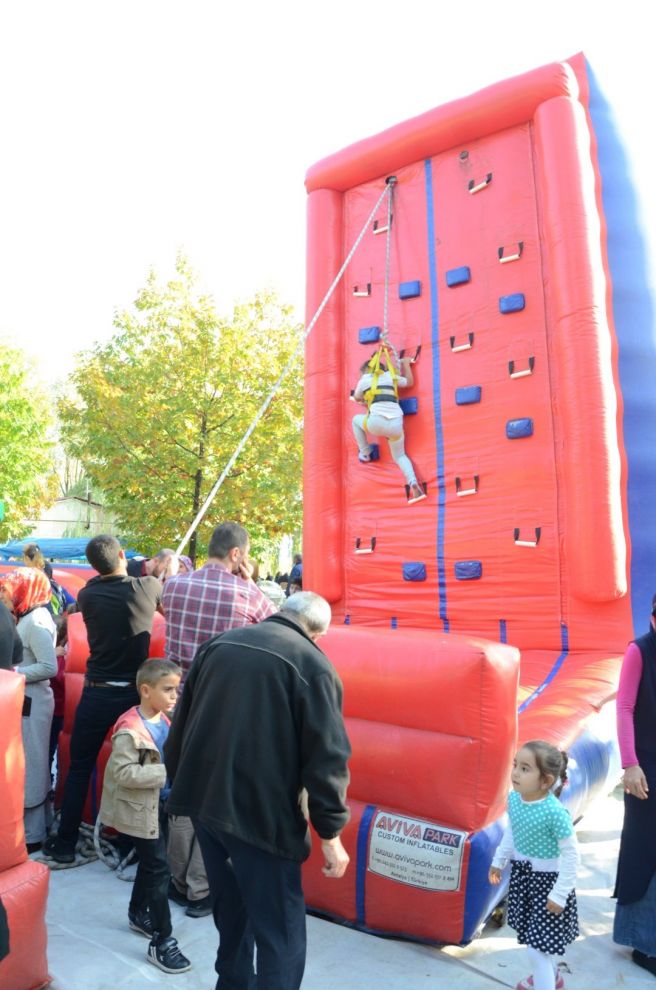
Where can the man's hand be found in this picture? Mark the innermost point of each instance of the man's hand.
(494, 876)
(245, 570)
(635, 782)
(336, 858)
(554, 908)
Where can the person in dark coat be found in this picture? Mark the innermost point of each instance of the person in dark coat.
(635, 915)
(257, 746)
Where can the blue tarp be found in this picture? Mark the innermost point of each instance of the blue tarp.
(54, 549)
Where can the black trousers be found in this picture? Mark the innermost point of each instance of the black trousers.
(256, 899)
(96, 713)
(151, 884)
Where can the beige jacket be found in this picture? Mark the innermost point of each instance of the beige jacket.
(134, 777)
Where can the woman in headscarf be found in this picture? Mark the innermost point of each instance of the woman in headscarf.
(26, 593)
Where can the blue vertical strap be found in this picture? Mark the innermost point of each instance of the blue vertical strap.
(394, 622)
(437, 398)
(361, 862)
(347, 620)
(564, 650)
(94, 792)
(503, 632)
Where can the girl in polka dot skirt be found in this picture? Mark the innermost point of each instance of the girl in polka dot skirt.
(540, 842)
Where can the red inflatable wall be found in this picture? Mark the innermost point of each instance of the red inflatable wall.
(498, 271)
(77, 653)
(23, 883)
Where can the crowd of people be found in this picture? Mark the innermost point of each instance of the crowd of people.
(225, 748)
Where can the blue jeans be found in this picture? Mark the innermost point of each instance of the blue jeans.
(256, 898)
(97, 712)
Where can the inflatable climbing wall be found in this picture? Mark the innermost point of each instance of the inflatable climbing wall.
(499, 606)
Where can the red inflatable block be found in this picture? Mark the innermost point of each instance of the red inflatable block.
(157, 636)
(12, 771)
(76, 664)
(73, 581)
(24, 893)
(92, 803)
(74, 687)
(77, 649)
(423, 893)
(423, 709)
(77, 652)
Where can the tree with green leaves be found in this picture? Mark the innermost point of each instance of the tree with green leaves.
(28, 482)
(155, 414)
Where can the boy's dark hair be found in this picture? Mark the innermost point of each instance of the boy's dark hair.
(151, 671)
(225, 537)
(103, 553)
(549, 761)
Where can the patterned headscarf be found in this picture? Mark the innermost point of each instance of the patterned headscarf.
(187, 562)
(27, 588)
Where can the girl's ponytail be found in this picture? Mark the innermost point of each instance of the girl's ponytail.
(562, 776)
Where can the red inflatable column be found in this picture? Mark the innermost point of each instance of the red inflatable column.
(582, 349)
(23, 884)
(323, 487)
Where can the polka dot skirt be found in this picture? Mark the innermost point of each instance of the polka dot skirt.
(528, 915)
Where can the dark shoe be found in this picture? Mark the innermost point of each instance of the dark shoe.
(33, 847)
(165, 954)
(58, 851)
(139, 921)
(647, 962)
(201, 908)
(174, 895)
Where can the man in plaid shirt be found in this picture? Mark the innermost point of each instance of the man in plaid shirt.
(197, 606)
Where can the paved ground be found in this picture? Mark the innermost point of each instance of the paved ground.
(91, 948)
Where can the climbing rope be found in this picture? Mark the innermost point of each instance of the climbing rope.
(387, 191)
(110, 855)
(91, 845)
(386, 350)
(391, 182)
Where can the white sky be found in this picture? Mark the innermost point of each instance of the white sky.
(133, 128)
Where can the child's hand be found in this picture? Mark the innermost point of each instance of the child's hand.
(494, 876)
(554, 908)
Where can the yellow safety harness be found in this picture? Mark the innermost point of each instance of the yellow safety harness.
(376, 392)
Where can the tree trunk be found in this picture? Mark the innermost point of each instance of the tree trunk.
(198, 484)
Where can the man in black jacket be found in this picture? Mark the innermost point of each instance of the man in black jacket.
(258, 730)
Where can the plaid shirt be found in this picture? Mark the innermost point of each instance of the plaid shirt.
(204, 603)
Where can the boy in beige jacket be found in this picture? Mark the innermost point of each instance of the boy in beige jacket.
(134, 789)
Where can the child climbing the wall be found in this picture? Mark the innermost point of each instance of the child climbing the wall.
(378, 387)
(540, 842)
